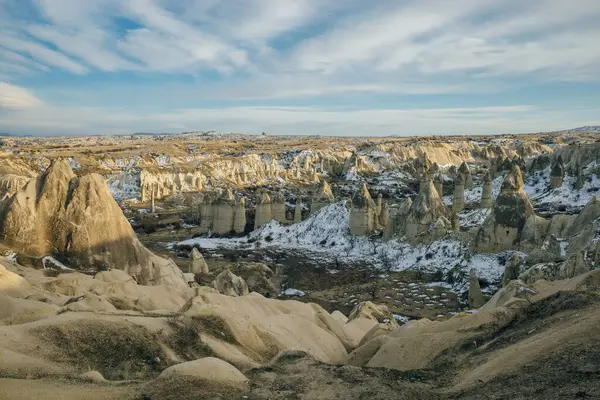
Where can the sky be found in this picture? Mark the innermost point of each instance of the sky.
(326, 67)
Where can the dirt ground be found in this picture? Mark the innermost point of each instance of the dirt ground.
(20, 389)
(550, 350)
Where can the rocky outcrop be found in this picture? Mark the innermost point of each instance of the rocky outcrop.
(258, 277)
(583, 230)
(224, 209)
(512, 223)
(486, 191)
(476, 298)
(230, 284)
(10, 184)
(427, 209)
(512, 270)
(167, 183)
(363, 214)
(322, 197)
(557, 173)
(439, 184)
(208, 370)
(397, 217)
(278, 208)
(384, 215)
(466, 175)
(77, 221)
(264, 214)
(198, 264)
(221, 213)
(298, 211)
(458, 202)
(578, 263)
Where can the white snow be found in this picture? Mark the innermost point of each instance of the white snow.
(54, 261)
(473, 218)
(293, 292)
(537, 187)
(11, 256)
(401, 318)
(326, 236)
(124, 186)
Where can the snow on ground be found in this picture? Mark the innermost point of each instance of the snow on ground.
(473, 195)
(293, 292)
(401, 318)
(124, 186)
(390, 180)
(537, 187)
(473, 218)
(53, 261)
(325, 236)
(11, 256)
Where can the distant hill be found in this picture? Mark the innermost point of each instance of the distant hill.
(5, 134)
(586, 129)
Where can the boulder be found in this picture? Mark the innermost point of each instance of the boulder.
(93, 377)
(512, 269)
(476, 298)
(209, 369)
(198, 265)
(230, 285)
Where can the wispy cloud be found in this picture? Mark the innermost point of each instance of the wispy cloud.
(16, 98)
(287, 120)
(247, 51)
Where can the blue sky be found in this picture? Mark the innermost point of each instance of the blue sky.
(332, 67)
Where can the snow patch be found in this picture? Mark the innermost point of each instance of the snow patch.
(325, 236)
(54, 262)
(293, 292)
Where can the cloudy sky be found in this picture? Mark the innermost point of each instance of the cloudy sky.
(337, 67)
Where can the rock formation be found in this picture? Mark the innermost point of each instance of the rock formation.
(439, 184)
(557, 173)
(397, 217)
(278, 208)
(512, 270)
(264, 215)
(10, 184)
(458, 203)
(322, 198)
(239, 221)
(198, 264)
(425, 211)
(476, 298)
(362, 213)
(207, 371)
(455, 222)
(512, 222)
(298, 211)
(486, 191)
(384, 215)
(224, 213)
(258, 277)
(579, 179)
(77, 221)
(163, 183)
(466, 174)
(230, 284)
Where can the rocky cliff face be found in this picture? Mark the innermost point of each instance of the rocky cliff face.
(77, 221)
(169, 174)
(10, 184)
